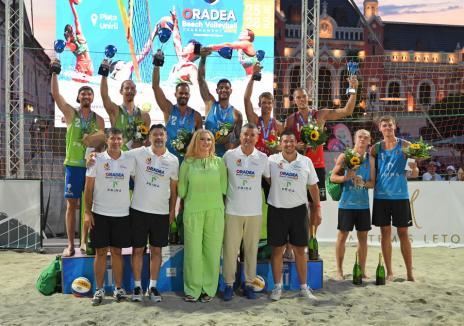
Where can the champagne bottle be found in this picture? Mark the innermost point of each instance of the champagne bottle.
(357, 273)
(89, 250)
(173, 234)
(313, 246)
(380, 272)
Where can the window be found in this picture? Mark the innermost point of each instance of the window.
(394, 90)
(425, 94)
(325, 88)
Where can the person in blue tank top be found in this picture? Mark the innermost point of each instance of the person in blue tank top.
(391, 196)
(176, 116)
(353, 208)
(220, 112)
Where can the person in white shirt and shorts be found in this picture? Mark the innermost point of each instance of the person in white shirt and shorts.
(292, 174)
(107, 202)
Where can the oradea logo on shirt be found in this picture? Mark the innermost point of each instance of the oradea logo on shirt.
(245, 173)
(114, 175)
(156, 171)
(288, 175)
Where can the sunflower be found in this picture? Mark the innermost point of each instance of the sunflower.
(143, 130)
(355, 161)
(415, 146)
(314, 135)
(217, 135)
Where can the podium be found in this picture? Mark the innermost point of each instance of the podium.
(171, 276)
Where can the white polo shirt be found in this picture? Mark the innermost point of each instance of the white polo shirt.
(244, 172)
(111, 190)
(153, 175)
(290, 180)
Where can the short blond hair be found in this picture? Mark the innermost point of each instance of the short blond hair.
(193, 147)
(362, 131)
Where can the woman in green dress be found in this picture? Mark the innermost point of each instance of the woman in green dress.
(202, 186)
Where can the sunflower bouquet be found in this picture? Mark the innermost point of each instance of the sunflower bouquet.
(419, 150)
(353, 159)
(181, 142)
(224, 131)
(140, 132)
(313, 136)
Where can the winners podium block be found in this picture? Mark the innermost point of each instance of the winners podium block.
(171, 277)
(290, 279)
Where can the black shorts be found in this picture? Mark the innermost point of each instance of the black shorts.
(348, 218)
(151, 227)
(321, 184)
(396, 212)
(287, 225)
(110, 231)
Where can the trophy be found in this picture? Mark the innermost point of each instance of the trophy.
(225, 52)
(259, 56)
(352, 68)
(110, 51)
(163, 34)
(58, 46)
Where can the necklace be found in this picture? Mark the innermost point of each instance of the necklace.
(85, 122)
(264, 129)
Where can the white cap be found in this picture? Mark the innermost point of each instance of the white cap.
(452, 168)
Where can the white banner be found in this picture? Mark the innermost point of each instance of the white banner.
(438, 216)
(20, 214)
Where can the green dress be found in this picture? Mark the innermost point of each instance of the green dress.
(202, 185)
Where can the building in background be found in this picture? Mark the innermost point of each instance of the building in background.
(404, 67)
(38, 103)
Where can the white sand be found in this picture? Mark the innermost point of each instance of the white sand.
(437, 297)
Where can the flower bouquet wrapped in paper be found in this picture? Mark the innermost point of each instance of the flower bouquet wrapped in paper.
(181, 142)
(140, 133)
(313, 136)
(353, 159)
(419, 150)
(224, 131)
(272, 142)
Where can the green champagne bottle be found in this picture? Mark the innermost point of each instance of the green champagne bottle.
(357, 274)
(173, 234)
(313, 246)
(380, 272)
(89, 250)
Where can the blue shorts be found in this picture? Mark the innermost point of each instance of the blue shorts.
(74, 181)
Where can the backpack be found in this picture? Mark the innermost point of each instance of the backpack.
(334, 189)
(49, 280)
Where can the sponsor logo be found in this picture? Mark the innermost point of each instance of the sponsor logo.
(211, 2)
(155, 171)
(114, 175)
(239, 162)
(288, 175)
(148, 160)
(246, 173)
(106, 166)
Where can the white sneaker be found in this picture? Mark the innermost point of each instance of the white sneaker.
(137, 294)
(306, 293)
(119, 294)
(98, 297)
(155, 296)
(276, 294)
